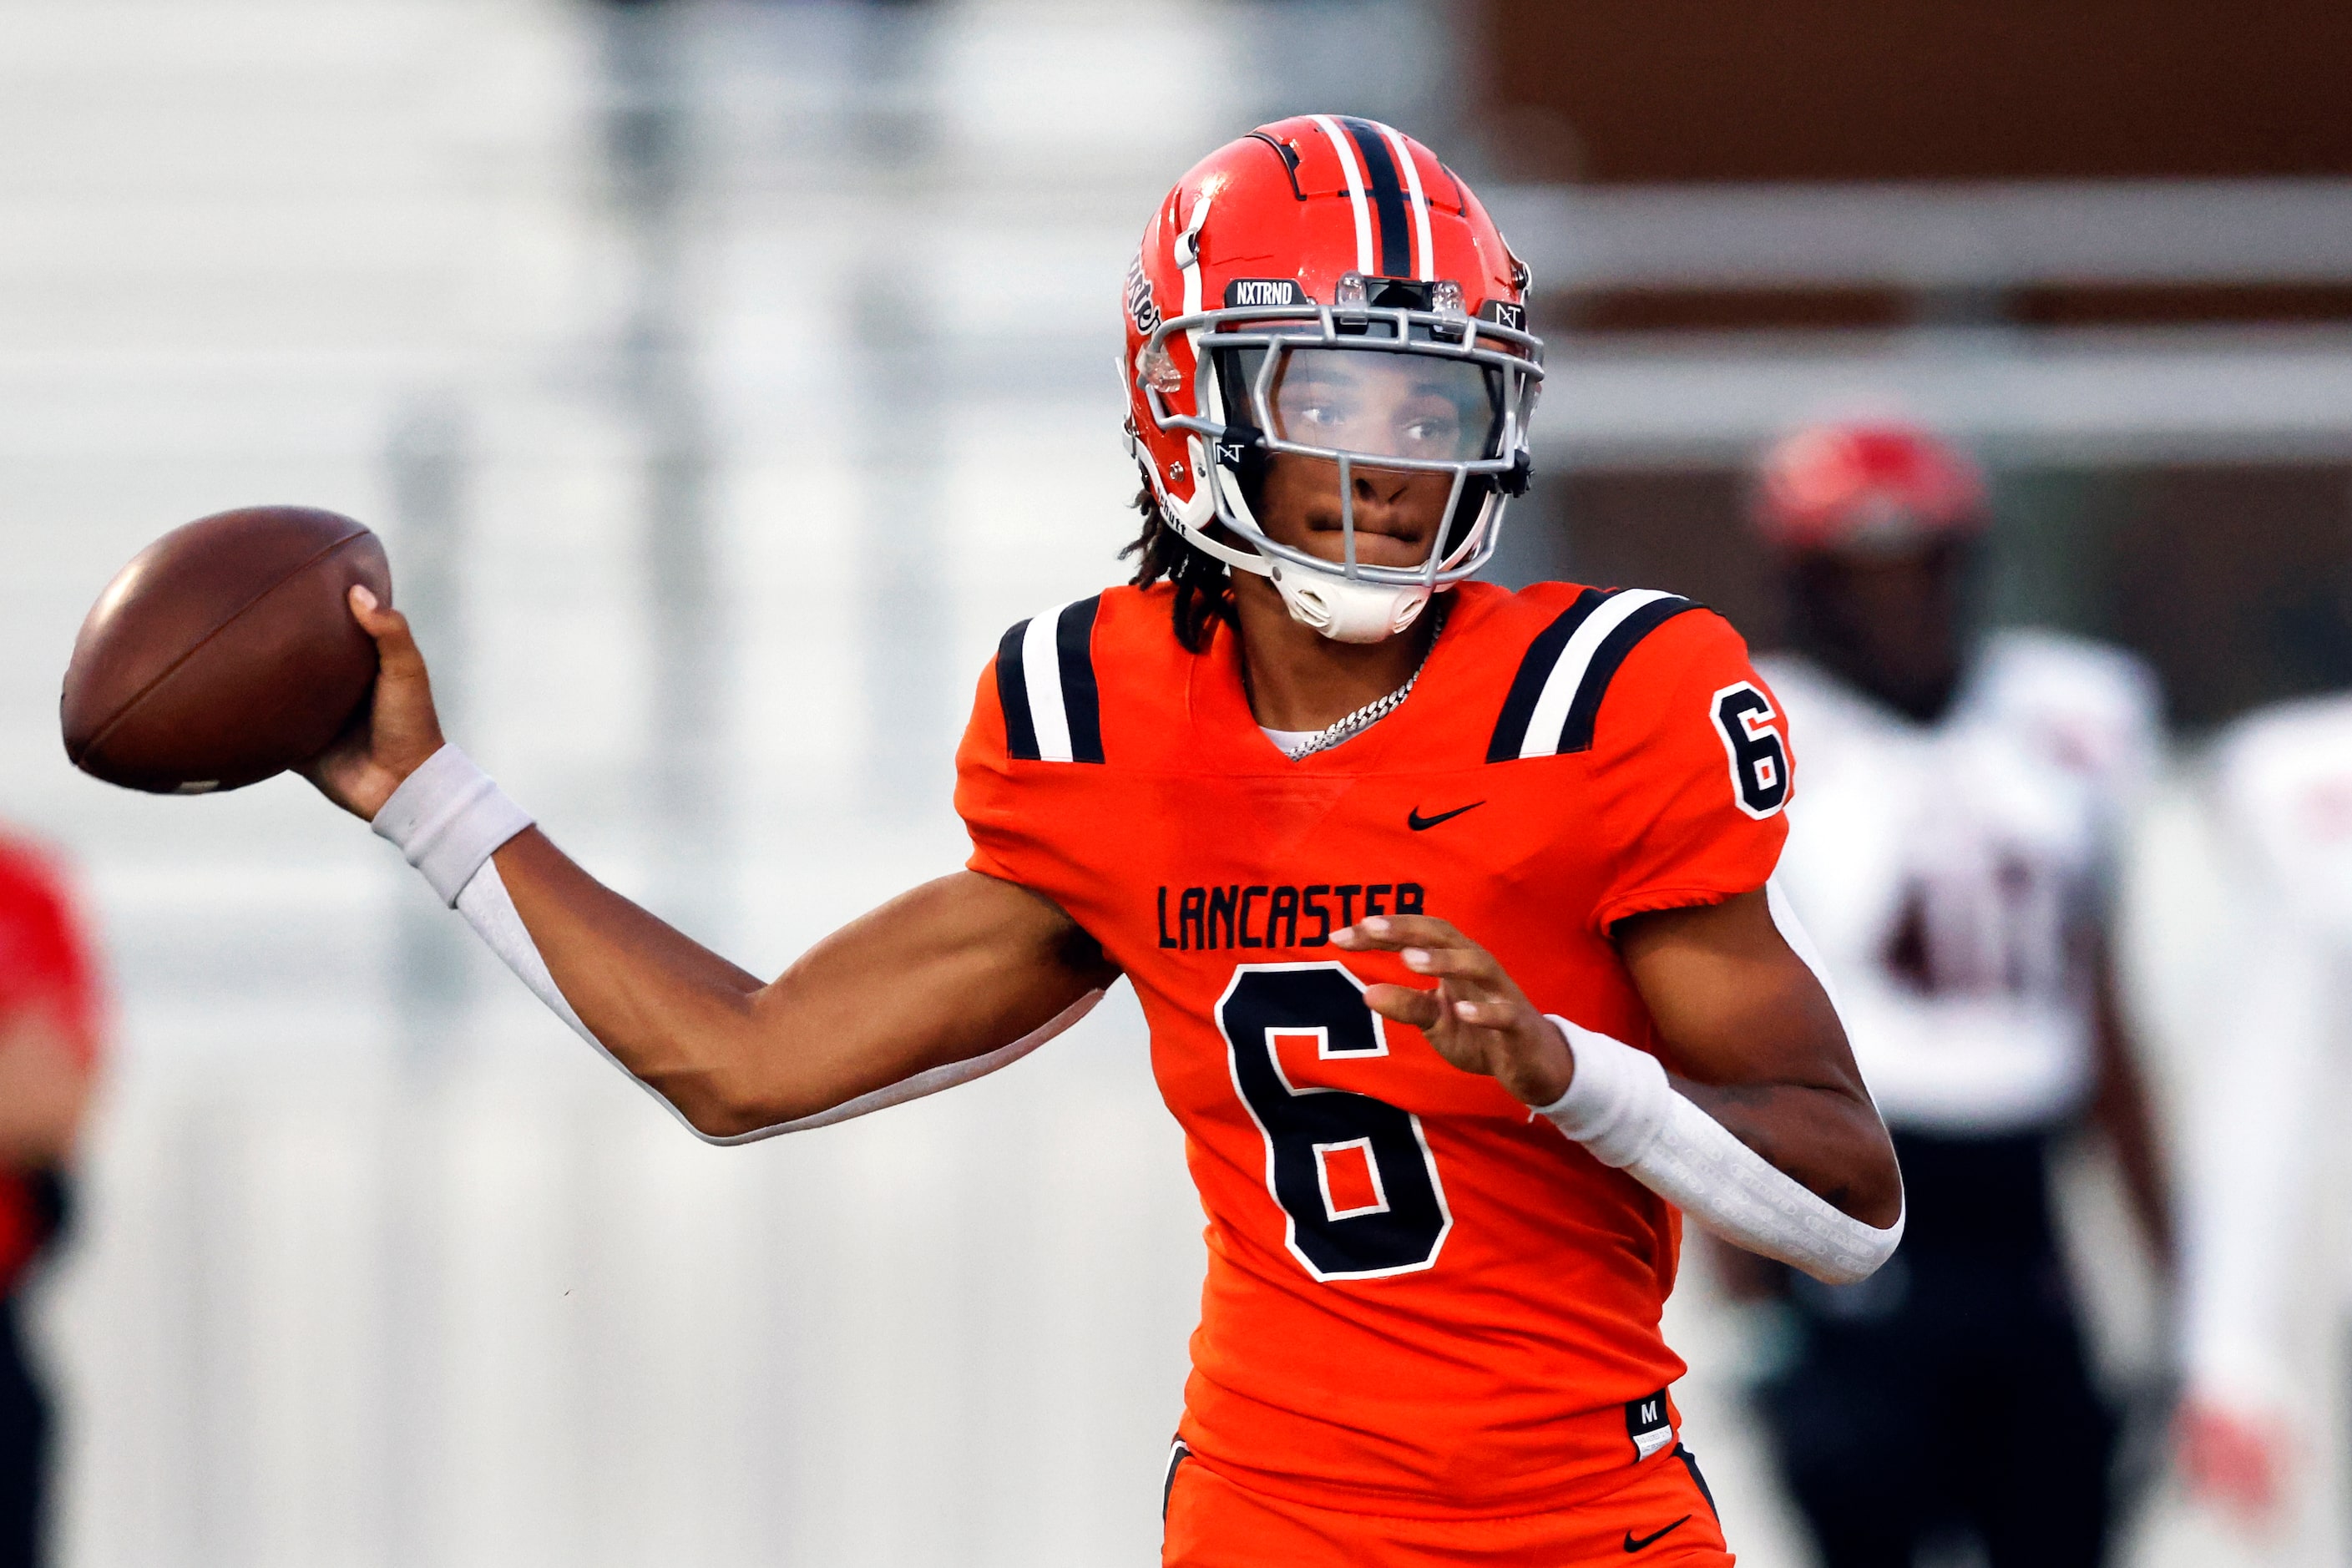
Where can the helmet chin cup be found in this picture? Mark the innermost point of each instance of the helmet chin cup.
(1346, 610)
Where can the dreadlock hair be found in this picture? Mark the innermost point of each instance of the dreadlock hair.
(1204, 588)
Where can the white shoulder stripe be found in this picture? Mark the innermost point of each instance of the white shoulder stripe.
(1041, 670)
(1339, 144)
(1560, 686)
(1427, 269)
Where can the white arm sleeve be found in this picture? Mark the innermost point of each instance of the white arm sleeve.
(1619, 1106)
(2253, 1142)
(2269, 969)
(455, 818)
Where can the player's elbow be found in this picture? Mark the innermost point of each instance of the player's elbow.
(731, 1107)
(721, 1121)
(1841, 1273)
(1858, 1251)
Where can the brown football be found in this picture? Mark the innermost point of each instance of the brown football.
(225, 653)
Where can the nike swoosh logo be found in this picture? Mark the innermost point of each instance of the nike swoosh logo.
(1634, 1545)
(1420, 823)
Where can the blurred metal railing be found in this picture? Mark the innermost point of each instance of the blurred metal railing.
(1990, 237)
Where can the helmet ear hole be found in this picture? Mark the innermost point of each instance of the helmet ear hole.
(1241, 449)
(1243, 452)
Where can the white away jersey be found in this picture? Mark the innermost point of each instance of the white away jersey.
(2265, 1088)
(2284, 778)
(1947, 872)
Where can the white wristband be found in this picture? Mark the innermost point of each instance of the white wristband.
(448, 817)
(1619, 1106)
(1617, 1100)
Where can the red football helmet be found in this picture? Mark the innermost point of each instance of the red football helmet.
(1290, 281)
(1867, 485)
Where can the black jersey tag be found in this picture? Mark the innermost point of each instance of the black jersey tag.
(1647, 1423)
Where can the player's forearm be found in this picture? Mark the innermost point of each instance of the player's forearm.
(676, 1016)
(1621, 1106)
(1824, 1139)
(929, 989)
(665, 1009)
(943, 983)
(1737, 994)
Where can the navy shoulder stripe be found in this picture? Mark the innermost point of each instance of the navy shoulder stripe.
(1013, 692)
(1576, 734)
(1554, 698)
(1045, 681)
(1511, 729)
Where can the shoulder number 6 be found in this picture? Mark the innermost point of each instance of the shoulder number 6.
(1750, 726)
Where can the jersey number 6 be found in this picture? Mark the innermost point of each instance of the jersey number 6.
(1354, 1174)
(1751, 738)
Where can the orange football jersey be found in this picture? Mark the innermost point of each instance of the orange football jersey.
(1421, 1298)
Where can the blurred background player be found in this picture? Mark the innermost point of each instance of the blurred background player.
(1950, 850)
(2254, 1156)
(48, 1038)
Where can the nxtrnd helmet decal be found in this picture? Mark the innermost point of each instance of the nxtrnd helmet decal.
(1264, 292)
(1374, 330)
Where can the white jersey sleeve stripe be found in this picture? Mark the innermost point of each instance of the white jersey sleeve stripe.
(1567, 678)
(1041, 667)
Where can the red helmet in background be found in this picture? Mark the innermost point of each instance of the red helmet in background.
(1286, 289)
(1867, 485)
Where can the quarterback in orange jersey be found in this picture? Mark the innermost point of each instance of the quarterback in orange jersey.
(1449, 906)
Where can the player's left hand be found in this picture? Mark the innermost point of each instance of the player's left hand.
(1478, 1017)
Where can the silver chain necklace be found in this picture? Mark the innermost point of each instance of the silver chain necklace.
(1371, 712)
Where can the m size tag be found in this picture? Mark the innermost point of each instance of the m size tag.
(1647, 1423)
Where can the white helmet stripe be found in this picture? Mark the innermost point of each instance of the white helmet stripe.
(1339, 140)
(1423, 251)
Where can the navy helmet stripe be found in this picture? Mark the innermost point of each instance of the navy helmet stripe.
(1527, 687)
(1073, 641)
(1576, 733)
(1385, 185)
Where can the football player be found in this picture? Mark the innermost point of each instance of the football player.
(49, 1023)
(1447, 906)
(2282, 805)
(1951, 852)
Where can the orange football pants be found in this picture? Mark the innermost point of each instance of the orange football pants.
(1661, 1518)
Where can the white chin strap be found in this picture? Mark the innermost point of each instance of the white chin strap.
(1344, 609)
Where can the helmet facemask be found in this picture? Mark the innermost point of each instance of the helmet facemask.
(1410, 383)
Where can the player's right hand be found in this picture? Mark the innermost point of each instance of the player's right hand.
(397, 730)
